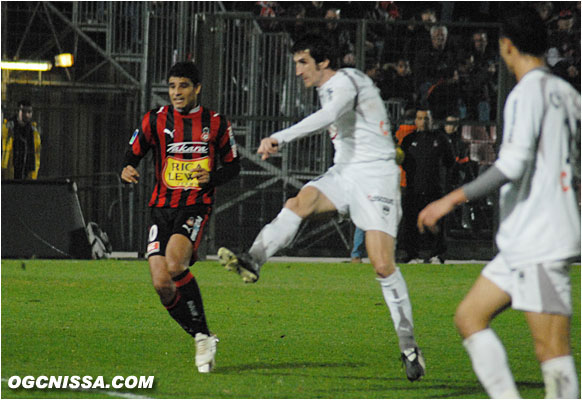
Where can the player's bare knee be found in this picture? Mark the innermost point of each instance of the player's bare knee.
(165, 290)
(384, 270)
(299, 207)
(467, 322)
(550, 347)
(175, 267)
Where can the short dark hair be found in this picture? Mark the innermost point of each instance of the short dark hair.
(24, 103)
(526, 30)
(185, 69)
(319, 48)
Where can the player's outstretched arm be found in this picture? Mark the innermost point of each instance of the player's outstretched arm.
(129, 174)
(432, 213)
(268, 146)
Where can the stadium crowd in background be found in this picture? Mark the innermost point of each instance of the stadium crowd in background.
(21, 144)
(451, 70)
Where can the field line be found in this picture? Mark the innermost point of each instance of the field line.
(112, 393)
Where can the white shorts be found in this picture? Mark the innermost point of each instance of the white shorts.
(368, 193)
(542, 287)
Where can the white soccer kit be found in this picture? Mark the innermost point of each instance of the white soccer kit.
(364, 180)
(539, 216)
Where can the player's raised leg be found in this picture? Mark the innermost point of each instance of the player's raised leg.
(277, 234)
(380, 247)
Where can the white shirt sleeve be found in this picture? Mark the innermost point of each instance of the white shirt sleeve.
(523, 113)
(341, 100)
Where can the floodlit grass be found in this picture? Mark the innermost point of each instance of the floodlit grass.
(303, 331)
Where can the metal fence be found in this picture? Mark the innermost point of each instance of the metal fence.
(248, 75)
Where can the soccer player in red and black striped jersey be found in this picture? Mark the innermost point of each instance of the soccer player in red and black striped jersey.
(194, 151)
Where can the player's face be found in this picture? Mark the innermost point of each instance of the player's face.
(183, 93)
(423, 121)
(307, 69)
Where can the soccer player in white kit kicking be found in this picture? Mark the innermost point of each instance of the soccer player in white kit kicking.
(538, 171)
(364, 182)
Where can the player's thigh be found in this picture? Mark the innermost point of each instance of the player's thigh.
(310, 201)
(551, 334)
(481, 304)
(380, 248)
(161, 278)
(178, 253)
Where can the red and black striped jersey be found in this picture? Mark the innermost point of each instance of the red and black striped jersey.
(181, 143)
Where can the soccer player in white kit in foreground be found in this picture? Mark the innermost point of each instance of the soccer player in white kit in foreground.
(538, 171)
(364, 182)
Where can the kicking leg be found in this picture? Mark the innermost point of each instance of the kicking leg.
(277, 234)
(380, 247)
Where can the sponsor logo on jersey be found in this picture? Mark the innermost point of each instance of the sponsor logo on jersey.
(187, 148)
(169, 132)
(179, 174)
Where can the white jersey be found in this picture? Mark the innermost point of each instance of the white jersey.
(356, 118)
(539, 215)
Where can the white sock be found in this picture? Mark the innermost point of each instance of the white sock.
(490, 364)
(560, 378)
(275, 235)
(396, 297)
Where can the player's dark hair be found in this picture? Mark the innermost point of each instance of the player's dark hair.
(24, 103)
(319, 48)
(185, 69)
(526, 30)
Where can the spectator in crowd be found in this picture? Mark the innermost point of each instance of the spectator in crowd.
(270, 9)
(21, 144)
(380, 28)
(297, 28)
(315, 9)
(362, 182)
(426, 153)
(417, 36)
(340, 36)
(563, 56)
(396, 82)
(434, 74)
(473, 87)
(537, 174)
(484, 72)
(463, 171)
(184, 137)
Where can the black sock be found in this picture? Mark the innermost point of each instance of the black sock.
(187, 308)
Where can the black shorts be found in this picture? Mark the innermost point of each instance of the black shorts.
(188, 221)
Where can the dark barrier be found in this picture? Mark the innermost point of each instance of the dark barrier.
(42, 219)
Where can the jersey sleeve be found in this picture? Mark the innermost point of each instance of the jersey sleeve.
(227, 153)
(341, 100)
(140, 143)
(522, 123)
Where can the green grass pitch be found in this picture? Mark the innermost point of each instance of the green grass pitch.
(305, 330)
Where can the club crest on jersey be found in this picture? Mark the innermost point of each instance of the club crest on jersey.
(187, 148)
(205, 134)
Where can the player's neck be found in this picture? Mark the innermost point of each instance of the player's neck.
(526, 64)
(327, 74)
